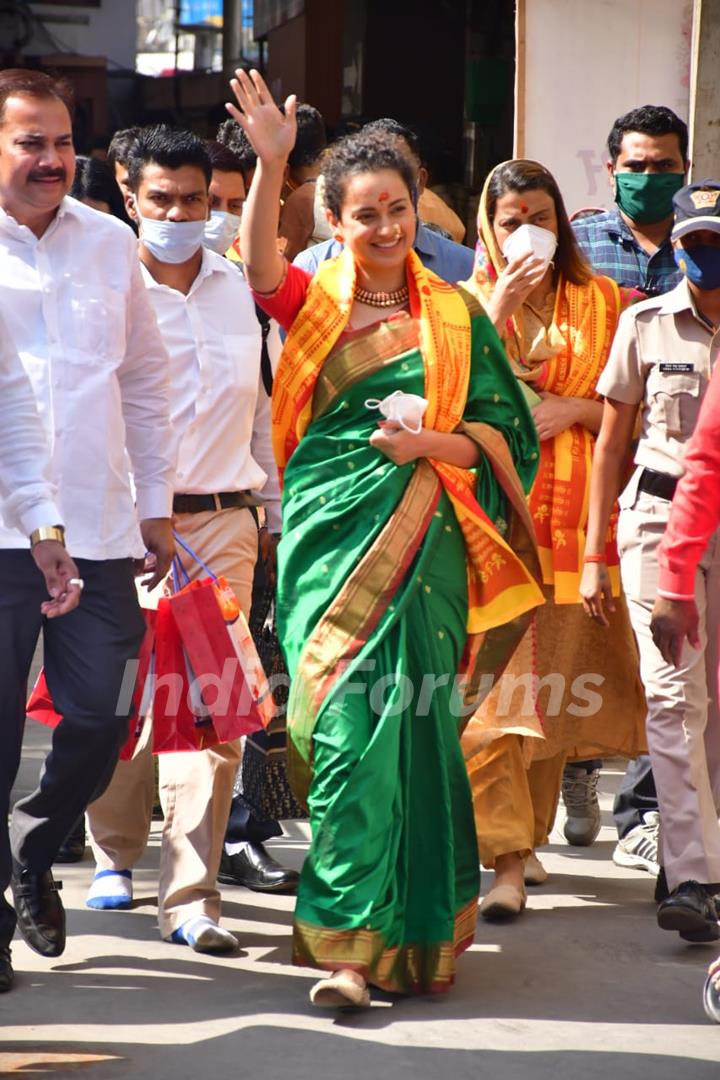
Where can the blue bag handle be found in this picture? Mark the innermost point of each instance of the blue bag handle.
(178, 572)
(193, 555)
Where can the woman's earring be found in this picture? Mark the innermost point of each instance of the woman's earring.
(339, 238)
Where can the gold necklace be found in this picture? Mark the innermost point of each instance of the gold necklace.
(382, 299)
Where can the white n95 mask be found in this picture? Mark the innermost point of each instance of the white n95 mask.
(221, 228)
(407, 410)
(530, 240)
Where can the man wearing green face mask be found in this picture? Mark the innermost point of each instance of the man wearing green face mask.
(647, 151)
(647, 164)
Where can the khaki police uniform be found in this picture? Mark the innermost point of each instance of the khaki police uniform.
(661, 359)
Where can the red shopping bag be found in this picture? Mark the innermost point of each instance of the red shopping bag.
(219, 681)
(253, 670)
(40, 705)
(176, 727)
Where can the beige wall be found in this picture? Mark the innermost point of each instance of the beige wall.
(582, 63)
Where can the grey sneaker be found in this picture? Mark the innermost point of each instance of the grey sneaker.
(579, 793)
(638, 849)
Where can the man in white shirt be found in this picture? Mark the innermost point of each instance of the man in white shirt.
(29, 499)
(29, 503)
(245, 859)
(207, 318)
(76, 311)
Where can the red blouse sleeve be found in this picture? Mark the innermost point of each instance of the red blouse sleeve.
(695, 510)
(286, 301)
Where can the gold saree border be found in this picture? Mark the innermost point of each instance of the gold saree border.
(348, 623)
(382, 345)
(414, 968)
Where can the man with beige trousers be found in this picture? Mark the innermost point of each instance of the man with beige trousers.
(661, 362)
(207, 319)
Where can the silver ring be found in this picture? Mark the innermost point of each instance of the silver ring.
(77, 581)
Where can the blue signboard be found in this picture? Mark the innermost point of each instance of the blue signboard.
(197, 12)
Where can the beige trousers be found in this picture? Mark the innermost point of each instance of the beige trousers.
(515, 805)
(683, 724)
(195, 787)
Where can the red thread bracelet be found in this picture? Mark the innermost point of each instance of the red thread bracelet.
(594, 559)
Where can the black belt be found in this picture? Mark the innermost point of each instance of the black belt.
(224, 500)
(658, 483)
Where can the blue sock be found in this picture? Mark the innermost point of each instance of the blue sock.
(111, 890)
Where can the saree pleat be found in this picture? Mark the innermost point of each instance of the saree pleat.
(380, 864)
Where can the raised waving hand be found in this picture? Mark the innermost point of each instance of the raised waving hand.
(271, 133)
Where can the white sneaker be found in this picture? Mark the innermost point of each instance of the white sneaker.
(638, 850)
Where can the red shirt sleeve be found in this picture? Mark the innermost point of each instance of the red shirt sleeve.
(286, 301)
(695, 513)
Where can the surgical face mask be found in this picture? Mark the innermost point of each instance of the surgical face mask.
(647, 197)
(700, 264)
(530, 240)
(407, 410)
(221, 228)
(172, 241)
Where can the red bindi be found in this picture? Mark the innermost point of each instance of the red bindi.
(383, 196)
(524, 207)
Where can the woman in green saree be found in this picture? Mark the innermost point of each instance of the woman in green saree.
(402, 562)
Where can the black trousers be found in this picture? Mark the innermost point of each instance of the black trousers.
(246, 823)
(85, 658)
(635, 796)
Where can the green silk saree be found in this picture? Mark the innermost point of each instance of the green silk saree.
(372, 608)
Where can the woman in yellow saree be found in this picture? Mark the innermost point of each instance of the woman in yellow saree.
(557, 322)
(404, 547)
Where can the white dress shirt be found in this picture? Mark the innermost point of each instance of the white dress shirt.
(28, 497)
(77, 311)
(219, 410)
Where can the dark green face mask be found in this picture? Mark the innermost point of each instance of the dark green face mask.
(647, 197)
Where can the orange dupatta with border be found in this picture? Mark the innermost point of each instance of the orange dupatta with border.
(500, 587)
(584, 321)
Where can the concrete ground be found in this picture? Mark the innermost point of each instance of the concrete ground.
(583, 987)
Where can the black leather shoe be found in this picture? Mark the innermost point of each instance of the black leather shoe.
(254, 868)
(691, 910)
(661, 887)
(6, 969)
(39, 910)
(73, 847)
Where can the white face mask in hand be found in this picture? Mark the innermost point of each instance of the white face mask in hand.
(530, 240)
(407, 410)
(172, 241)
(221, 228)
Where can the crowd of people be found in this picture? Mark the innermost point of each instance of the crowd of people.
(478, 490)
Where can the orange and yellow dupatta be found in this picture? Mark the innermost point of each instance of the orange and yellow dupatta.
(584, 321)
(500, 587)
(586, 317)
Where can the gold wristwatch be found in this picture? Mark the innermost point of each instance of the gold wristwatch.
(48, 532)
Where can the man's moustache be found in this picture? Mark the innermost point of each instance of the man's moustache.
(57, 174)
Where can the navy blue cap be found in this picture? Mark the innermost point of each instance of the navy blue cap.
(696, 206)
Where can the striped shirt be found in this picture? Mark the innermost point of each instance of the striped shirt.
(611, 249)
